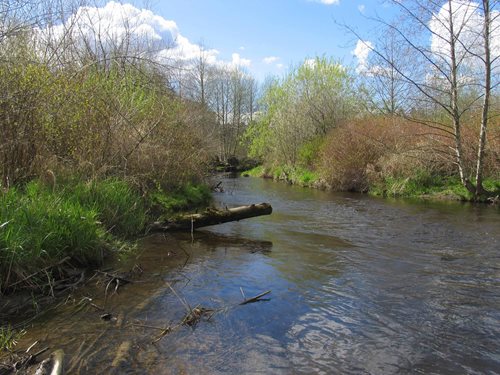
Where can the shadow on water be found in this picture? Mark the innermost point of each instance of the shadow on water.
(359, 285)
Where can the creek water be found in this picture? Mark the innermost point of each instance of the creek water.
(359, 285)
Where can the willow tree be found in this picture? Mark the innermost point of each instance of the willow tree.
(299, 107)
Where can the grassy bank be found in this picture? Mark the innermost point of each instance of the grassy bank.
(420, 185)
(296, 176)
(424, 185)
(39, 226)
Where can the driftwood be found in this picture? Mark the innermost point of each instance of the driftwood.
(254, 299)
(212, 217)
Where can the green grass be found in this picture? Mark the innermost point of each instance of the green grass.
(186, 198)
(423, 184)
(118, 206)
(258, 171)
(40, 227)
(294, 175)
(9, 337)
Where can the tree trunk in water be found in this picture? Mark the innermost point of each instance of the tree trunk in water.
(212, 217)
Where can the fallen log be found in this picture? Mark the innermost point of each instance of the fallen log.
(212, 217)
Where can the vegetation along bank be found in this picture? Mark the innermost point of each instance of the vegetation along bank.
(99, 139)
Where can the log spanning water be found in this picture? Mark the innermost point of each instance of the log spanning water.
(212, 217)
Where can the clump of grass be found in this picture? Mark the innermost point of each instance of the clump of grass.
(118, 206)
(39, 228)
(259, 171)
(426, 184)
(303, 177)
(9, 337)
(185, 198)
(294, 175)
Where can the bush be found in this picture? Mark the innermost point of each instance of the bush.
(350, 149)
(400, 158)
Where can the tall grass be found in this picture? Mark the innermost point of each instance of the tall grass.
(39, 226)
(185, 198)
(9, 337)
(294, 175)
(118, 206)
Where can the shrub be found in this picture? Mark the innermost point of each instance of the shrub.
(350, 149)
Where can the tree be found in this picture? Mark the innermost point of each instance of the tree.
(446, 73)
(387, 92)
(305, 104)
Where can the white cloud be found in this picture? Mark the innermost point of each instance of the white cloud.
(106, 28)
(242, 48)
(270, 59)
(238, 61)
(468, 18)
(280, 66)
(362, 8)
(362, 51)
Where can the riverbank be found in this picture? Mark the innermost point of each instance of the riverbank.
(42, 227)
(420, 185)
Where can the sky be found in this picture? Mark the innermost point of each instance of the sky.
(266, 37)
(272, 34)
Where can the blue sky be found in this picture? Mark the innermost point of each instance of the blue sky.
(289, 30)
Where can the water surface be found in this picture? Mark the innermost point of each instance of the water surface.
(359, 285)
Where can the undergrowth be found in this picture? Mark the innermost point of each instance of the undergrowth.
(293, 175)
(185, 198)
(424, 184)
(39, 226)
(9, 337)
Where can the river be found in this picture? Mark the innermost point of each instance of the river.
(359, 285)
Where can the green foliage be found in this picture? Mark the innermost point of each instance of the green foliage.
(118, 207)
(184, 198)
(309, 152)
(9, 337)
(425, 184)
(39, 227)
(295, 175)
(259, 171)
(300, 108)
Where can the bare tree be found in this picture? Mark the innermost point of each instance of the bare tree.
(445, 72)
(388, 92)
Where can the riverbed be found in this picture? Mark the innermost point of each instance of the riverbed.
(359, 285)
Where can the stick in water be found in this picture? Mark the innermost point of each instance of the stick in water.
(256, 298)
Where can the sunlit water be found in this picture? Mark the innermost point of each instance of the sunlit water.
(359, 285)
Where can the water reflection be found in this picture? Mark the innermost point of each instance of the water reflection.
(359, 286)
